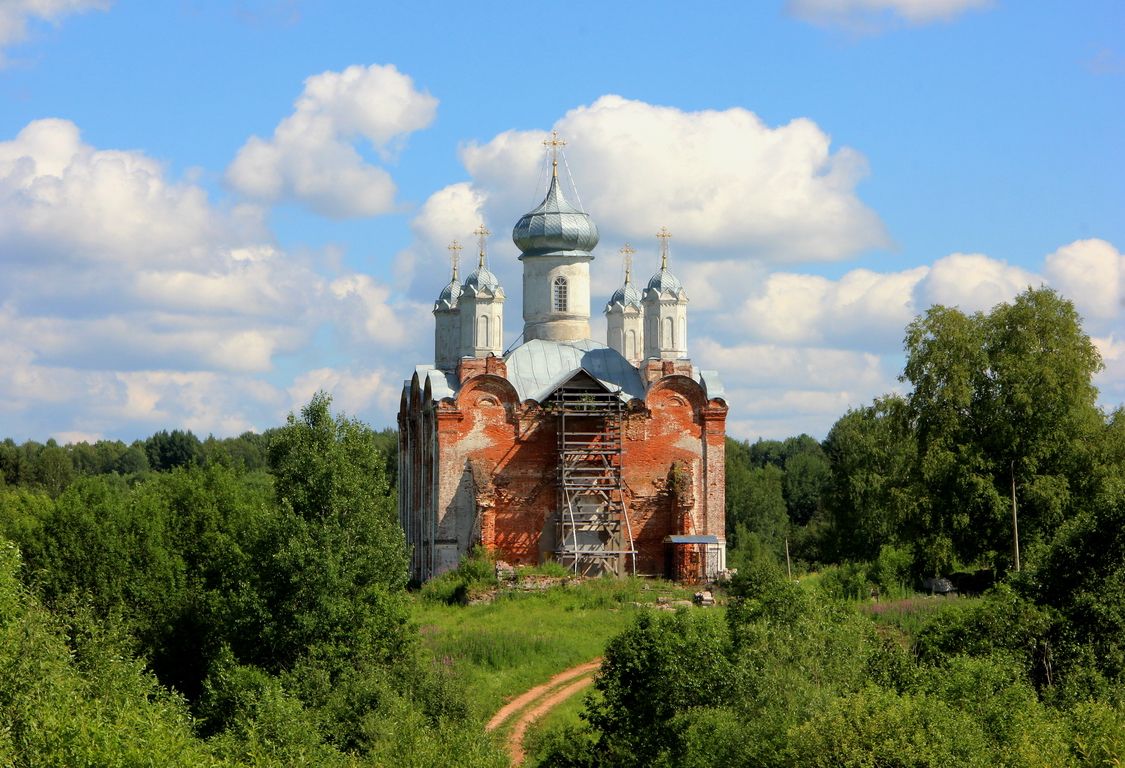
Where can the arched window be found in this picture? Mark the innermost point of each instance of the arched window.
(497, 331)
(560, 294)
(631, 345)
(669, 338)
(482, 331)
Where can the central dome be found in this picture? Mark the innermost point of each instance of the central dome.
(555, 225)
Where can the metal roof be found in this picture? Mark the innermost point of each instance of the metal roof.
(481, 278)
(447, 299)
(442, 384)
(712, 384)
(691, 539)
(539, 367)
(626, 296)
(665, 281)
(555, 225)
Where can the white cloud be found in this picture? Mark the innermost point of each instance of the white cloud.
(1111, 381)
(872, 15)
(449, 214)
(312, 157)
(130, 302)
(719, 180)
(365, 309)
(1092, 273)
(973, 282)
(352, 390)
(15, 14)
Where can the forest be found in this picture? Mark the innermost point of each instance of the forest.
(243, 601)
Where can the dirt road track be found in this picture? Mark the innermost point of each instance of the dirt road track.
(528, 707)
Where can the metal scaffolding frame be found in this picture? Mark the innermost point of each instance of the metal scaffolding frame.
(593, 532)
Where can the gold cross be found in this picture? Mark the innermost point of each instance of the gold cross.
(454, 257)
(554, 143)
(664, 234)
(627, 252)
(482, 232)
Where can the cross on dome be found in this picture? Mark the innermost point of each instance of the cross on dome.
(664, 236)
(482, 232)
(627, 252)
(554, 143)
(454, 257)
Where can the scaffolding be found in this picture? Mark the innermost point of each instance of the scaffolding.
(593, 532)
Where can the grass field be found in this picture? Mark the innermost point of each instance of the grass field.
(501, 648)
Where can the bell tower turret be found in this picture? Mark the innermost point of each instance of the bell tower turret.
(624, 316)
(447, 317)
(665, 307)
(482, 308)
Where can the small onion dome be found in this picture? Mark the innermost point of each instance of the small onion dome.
(665, 281)
(555, 225)
(481, 279)
(626, 296)
(449, 295)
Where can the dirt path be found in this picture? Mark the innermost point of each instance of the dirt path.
(538, 701)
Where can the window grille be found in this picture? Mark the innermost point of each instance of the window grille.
(560, 294)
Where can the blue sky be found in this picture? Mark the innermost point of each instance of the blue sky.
(209, 210)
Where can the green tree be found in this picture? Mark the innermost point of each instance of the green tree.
(168, 450)
(1038, 407)
(871, 490)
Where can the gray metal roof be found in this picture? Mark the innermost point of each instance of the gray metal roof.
(539, 367)
(442, 384)
(447, 299)
(555, 225)
(679, 539)
(665, 281)
(712, 384)
(481, 278)
(626, 296)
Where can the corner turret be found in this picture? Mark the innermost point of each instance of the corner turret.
(482, 308)
(665, 310)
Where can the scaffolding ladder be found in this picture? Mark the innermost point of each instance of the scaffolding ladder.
(593, 533)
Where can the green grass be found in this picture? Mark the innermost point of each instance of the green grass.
(522, 639)
(542, 732)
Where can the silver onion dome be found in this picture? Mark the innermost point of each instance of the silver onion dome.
(555, 225)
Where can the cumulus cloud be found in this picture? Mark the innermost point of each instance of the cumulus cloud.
(806, 347)
(312, 158)
(1092, 272)
(352, 390)
(15, 14)
(735, 192)
(873, 15)
(129, 301)
(452, 212)
(974, 282)
(719, 180)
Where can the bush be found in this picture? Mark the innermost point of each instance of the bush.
(475, 575)
(847, 581)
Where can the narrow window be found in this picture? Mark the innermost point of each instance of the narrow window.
(631, 346)
(482, 331)
(669, 339)
(560, 294)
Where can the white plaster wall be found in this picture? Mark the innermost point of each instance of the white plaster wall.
(657, 312)
(447, 339)
(473, 308)
(539, 317)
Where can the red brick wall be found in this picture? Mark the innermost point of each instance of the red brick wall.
(496, 463)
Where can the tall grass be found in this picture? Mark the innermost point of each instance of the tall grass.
(520, 639)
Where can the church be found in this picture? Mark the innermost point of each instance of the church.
(607, 458)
